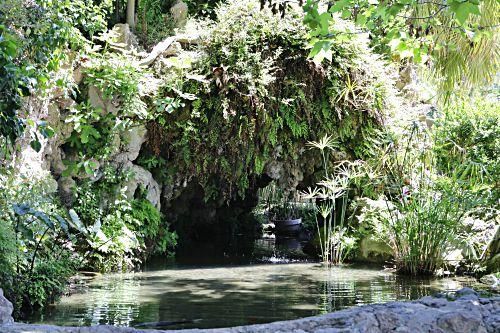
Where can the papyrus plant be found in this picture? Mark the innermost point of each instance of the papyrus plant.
(330, 197)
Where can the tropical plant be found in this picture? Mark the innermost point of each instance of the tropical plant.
(467, 142)
(460, 38)
(37, 236)
(426, 208)
(331, 196)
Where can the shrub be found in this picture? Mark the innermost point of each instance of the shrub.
(118, 232)
(7, 248)
(153, 227)
(35, 261)
(106, 223)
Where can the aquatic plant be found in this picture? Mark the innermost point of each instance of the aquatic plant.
(330, 197)
(426, 208)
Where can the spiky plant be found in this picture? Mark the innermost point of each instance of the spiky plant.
(334, 242)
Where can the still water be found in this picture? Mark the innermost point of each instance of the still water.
(223, 296)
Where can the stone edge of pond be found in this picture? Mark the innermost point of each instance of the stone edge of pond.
(465, 311)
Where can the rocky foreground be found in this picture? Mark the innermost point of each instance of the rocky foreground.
(464, 312)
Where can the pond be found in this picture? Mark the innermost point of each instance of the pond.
(231, 295)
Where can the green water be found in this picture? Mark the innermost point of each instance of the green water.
(234, 295)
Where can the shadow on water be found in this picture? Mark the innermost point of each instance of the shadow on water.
(222, 296)
(218, 284)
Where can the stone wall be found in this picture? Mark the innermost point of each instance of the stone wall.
(464, 312)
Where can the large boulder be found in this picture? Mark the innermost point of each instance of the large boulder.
(99, 101)
(143, 178)
(6, 309)
(130, 144)
(179, 13)
(374, 250)
(123, 36)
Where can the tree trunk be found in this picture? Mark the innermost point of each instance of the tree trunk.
(131, 14)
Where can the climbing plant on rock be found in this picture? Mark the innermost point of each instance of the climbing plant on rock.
(253, 96)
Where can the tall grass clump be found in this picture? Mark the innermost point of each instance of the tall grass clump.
(426, 207)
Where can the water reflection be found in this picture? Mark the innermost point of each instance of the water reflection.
(234, 295)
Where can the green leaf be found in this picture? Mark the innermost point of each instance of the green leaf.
(346, 14)
(462, 10)
(21, 209)
(339, 6)
(44, 218)
(63, 223)
(36, 145)
(316, 48)
(89, 132)
(75, 222)
(324, 23)
(46, 130)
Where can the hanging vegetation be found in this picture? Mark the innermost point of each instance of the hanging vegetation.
(253, 97)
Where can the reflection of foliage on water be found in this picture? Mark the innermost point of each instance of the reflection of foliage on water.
(339, 291)
(236, 295)
(114, 301)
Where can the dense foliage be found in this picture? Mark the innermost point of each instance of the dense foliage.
(468, 141)
(35, 260)
(457, 39)
(34, 44)
(255, 97)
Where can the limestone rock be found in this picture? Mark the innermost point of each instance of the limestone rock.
(124, 37)
(66, 190)
(159, 48)
(97, 100)
(373, 250)
(492, 281)
(6, 309)
(412, 87)
(144, 178)
(131, 142)
(78, 75)
(65, 103)
(465, 322)
(274, 170)
(188, 38)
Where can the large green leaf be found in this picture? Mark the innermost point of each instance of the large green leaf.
(21, 209)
